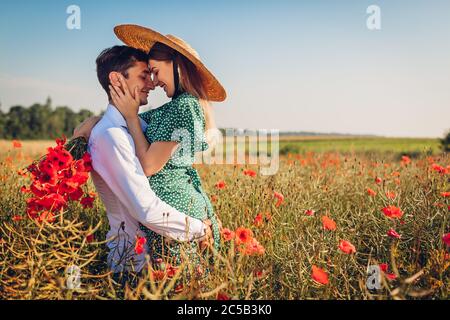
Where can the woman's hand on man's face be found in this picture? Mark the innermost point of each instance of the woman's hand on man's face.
(123, 100)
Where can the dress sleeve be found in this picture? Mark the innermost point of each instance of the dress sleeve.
(181, 122)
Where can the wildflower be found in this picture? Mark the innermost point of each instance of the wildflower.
(258, 273)
(393, 234)
(158, 275)
(171, 270)
(390, 194)
(227, 234)
(319, 275)
(446, 239)
(87, 202)
(384, 269)
(17, 218)
(90, 238)
(139, 247)
(378, 180)
(280, 198)
(371, 192)
(392, 212)
(46, 216)
(16, 144)
(347, 247)
(223, 296)
(250, 173)
(252, 248)
(309, 212)
(439, 169)
(243, 235)
(221, 185)
(445, 194)
(406, 160)
(179, 288)
(328, 223)
(258, 221)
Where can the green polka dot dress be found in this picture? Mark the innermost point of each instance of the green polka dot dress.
(178, 183)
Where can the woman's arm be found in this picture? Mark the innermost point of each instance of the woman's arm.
(152, 157)
(84, 129)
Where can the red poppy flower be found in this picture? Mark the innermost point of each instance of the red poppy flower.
(393, 234)
(319, 275)
(17, 144)
(17, 218)
(371, 192)
(392, 212)
(309, 212)
(258, 221)
(87, 202)
(221, 185)
(223, 296)
(391, 276)
(90, 238)
(439, 169)
(378, 180)
(445, 194)
(280, 198)
(347, 247)
(76, 195)
(384, 268)
(406, 160)
(252, 248)
(171, 270)
(139, 247)
(258, 273)
(227, 234)
(243, 235)
(158, 275)
(328, 223)
(46, 216)
(446, 239)
(87, 162)
(390, 194)
(250, 173)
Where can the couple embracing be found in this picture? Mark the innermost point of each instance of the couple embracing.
(143, 163)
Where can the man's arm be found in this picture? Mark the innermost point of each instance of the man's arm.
(114, 160)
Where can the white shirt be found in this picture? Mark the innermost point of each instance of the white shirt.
(125, 191)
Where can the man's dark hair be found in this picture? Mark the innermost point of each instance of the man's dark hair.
(118, 59)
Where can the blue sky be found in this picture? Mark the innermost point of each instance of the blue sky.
(288, 65)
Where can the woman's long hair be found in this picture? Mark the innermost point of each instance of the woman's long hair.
(190, 81)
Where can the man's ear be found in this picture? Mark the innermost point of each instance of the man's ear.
(114, 78)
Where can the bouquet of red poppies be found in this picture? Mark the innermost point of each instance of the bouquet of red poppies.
(58, 179)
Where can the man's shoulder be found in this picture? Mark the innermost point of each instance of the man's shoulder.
(105, 132)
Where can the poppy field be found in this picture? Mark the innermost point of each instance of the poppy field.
(333, 224)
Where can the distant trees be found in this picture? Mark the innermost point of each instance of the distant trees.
(445, 143)
(40, 121)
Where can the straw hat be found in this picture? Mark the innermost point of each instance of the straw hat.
(143, 38)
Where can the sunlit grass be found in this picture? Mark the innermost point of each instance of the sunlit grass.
(33, 257)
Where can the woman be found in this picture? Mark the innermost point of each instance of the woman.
(175, 132)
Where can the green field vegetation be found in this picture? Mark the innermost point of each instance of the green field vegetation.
(34, 256)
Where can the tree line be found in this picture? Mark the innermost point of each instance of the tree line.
(40, 121)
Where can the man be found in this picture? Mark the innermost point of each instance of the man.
(118, 175)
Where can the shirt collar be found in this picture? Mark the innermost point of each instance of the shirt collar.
(115, 116)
